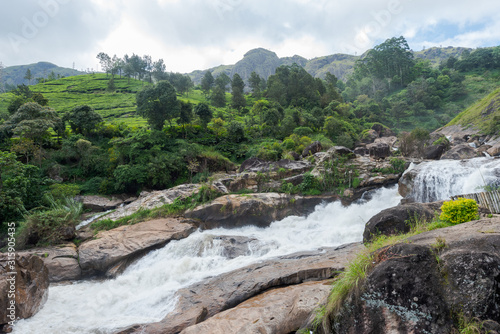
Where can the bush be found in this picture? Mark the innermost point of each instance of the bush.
(459, 211)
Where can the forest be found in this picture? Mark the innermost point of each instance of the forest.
(137, 127)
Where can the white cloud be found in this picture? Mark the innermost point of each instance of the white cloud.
(197, 34)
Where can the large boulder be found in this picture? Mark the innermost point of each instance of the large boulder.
(379, 150)
(312, 149)
(203, 300)
(61, 261)
(100, 203)
(281, 310)
(434, 152)
(24, 283)
(369, 136)
(419, 286)
(112, 251)
(259, 209)
(460, 152)
(398, 219)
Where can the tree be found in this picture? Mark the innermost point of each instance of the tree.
(28, 76)
(207, 82)
(255, 83)
(106, 62)
(83, 119)
(32, 121)
(222, 81)
(159, 70)
(218, 97)
(2, 89)
(204, 112)
(237, 86)
(158, 104)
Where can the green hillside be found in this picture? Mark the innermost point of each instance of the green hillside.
(67, 93)
(483, 115)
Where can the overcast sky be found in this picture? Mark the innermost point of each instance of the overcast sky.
(198, 34)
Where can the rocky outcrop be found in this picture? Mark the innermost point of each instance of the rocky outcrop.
(61, 261)
(27, 278)
(100, 203)
(259, 209)
(379, 150)
(312, 148)
(112, 251)
(399, 219)
(154, 199)
(419, 285)
(460, 152)
(281, 310)
(203, 300)
(254, 165)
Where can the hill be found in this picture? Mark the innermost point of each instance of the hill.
(66, 93)
(14, 75)
(482, 117)
(264, 62)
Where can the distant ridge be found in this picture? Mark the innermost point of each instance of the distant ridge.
(14, 75)
(265, 62)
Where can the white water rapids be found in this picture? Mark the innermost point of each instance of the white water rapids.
(145, 291)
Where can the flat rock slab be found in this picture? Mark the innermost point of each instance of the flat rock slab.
(203, 300)
(120, 246)
(259, 209)
(281, 310)
(61, 261)
(154, 199)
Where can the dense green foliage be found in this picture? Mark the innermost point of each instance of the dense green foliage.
(138, 127)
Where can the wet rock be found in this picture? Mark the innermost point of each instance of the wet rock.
(259, 209)
(203, 300)
(31, 282)
(459, 152)
(379, 150)
(494, 150)
(313, 148)
(397, 219)
(434, 152)
(235, 246)
(281, 310)
(114, 250)
(61, 261)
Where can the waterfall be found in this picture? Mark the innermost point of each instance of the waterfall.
(145, 292)
(439, 180)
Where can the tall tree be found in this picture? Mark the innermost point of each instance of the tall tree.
(159, 70)
(28, 76)
(223, 80)
(106, 62)
(207, 82)
(218, 97)
(237, 86)
(204, 112)
(158, 104)
(255, 83)
(83, 119)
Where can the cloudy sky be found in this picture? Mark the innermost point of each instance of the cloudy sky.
(198, 34)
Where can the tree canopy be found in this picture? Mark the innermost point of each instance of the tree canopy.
(158, 104)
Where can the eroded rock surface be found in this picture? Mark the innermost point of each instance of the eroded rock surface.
(281, 310)
(113, 250)
(61, 261)
(205, 299)
(31, 286)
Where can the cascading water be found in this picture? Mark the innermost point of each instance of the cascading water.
(439, 180)
(145, 291)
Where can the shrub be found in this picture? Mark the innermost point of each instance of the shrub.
(459, 211)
